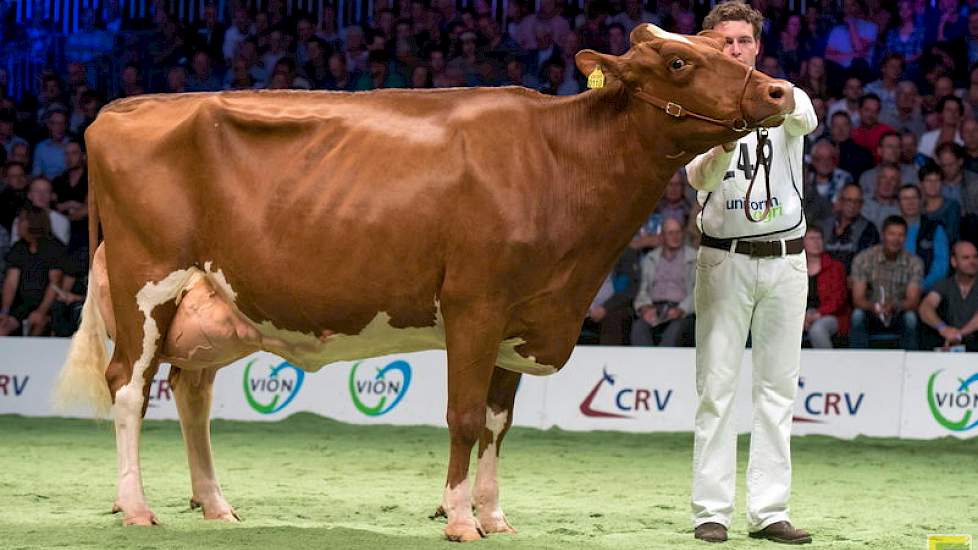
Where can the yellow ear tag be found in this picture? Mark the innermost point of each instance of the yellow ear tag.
(596, 78)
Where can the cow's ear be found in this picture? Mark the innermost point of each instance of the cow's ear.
(588, 60)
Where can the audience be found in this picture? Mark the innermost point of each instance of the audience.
(828, 300)
(665, 297)
(949, 312)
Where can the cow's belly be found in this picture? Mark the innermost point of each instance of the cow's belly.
(209, 330)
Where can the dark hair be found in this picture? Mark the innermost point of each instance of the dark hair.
(815, 229)
(38, 220)
(928, 169)
(734, 10)
(842, 114)
(911, 187)
(943, 101)
(889, 133)
(869, 97)
(888, 166)
(894, 220)
(955, 149)
(853, 185)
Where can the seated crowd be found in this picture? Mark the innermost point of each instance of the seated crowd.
(891, 172)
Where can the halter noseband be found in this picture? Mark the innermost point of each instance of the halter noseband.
(676, 110)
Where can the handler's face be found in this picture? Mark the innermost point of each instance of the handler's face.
(739, 42)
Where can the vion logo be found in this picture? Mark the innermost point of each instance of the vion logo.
(820, 405)
(626, 399)
(953, 409)
(269, 393)
(376, 395)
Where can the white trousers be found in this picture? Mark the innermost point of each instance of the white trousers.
(736, 294)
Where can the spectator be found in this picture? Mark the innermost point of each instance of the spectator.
(814, 80)
(610, 314)
(906, 38)
(950, 108)
(634, 15)
(71, 195)
(888, 152)
(870, 129)
(886, 281)
(852, 158)
(276, 49)
(209, 35)
(972, 41)
(949, 312)
(945, 24)
(304, 32)
(202, 79)
(665, 298)
(884, 202)
(849, 102)
(20, 153)
(937, 207)
(959, 184)
(33, 263)
(49, 155)
(13, 194)
(380, 75)
(909, 153)
(926, 239)
(41, 195)
(674, 203)
(176, 80)
(240, 30)
(825, 177)
(339, 77)
(848, 232)
(854, 40)
(828, 304)
(316, 68)
(886, 87)
(906, 115)
(7, 138)
(969, 134)
(68, 297)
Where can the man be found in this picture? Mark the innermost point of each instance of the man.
(849, 232)
(950, 309)
(49, 155)
(888, 151)
(849, 102)
(886, 283)
(926, 238)
(7, 138)
(13, 194)
(826, 178)
(951, 108)
(854, 39)
(959, 184)
(969, 134)
(867, 135)
(40, 194)
(852, 158)
(884, 202)
(906, 116)
(665, 297)
(610, 314)
(909, 153)
(750, 277)
(886, 88)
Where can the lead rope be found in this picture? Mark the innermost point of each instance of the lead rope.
(764, 161)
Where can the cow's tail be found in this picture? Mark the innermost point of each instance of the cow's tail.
(82, 379)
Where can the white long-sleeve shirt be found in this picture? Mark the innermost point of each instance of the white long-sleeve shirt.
(722, 179)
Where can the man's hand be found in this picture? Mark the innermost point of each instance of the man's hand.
(649, 315)
(36, 318)
(811, 316)
(674, 313)
(951, 335)
(729, 146)
(597, 313)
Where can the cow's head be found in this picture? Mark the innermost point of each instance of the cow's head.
(714, 98)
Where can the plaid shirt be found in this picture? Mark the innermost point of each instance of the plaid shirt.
(894, 276)
(914, 45)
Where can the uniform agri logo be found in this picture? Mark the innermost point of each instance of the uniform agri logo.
(269, 393)
(376, 395)
(819, 406)
(953, 408)
(626, 399)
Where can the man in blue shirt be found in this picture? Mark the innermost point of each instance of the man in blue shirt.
(925, 238)
(49, 155)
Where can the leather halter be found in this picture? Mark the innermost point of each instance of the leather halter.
(676, 110)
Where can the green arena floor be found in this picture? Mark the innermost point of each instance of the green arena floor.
(307, 482)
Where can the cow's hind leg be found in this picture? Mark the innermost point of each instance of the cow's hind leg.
(472, 353)
(193, 390)
(499, 417)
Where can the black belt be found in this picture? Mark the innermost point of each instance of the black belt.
(756, 249)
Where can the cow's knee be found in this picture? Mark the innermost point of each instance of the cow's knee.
(466, 424)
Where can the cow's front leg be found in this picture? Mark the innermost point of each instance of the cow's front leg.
(471, 360)
(499, 417)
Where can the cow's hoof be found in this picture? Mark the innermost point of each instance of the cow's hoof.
(496, 523)
(219, 511)
(464, 530)
(139, 516)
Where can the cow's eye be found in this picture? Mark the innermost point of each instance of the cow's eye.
(677, 64)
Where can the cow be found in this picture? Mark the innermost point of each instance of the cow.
(331, 226)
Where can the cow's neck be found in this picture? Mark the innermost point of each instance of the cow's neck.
(624, 148)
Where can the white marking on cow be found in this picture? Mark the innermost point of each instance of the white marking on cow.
(662, 33)
(486, 479)
(457, 502)
(510, 359)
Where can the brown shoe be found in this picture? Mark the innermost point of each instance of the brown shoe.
(784, 533)
(710, 532)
